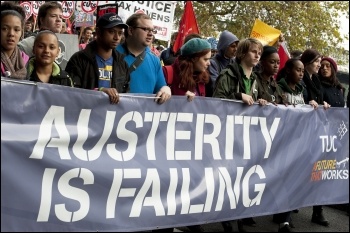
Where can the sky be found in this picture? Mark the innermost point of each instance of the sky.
(344, 29)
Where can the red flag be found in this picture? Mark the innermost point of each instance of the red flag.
(188, 25)
(284, 54)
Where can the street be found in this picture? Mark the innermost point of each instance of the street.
(338, 218)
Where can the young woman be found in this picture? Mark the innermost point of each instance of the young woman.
(13, 61)
(42, 67)
(190, 69)
(333, 90)
(268, 88)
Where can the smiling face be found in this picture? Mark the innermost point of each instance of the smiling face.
(45, 49)
(11, 32)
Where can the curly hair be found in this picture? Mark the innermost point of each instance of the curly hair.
(188, 77)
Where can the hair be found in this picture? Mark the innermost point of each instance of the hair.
(43, 32)
(243, 48)
(43, 9)
(10, 8)
(191, 36)
(333, 80)
(87, 28)
(186, 64)
(133, 20)
(296, 53)
(289, 65)
(174, 35)
(267, 51)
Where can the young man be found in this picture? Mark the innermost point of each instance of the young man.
(227, 47)
(99, 66)
(147, 74)
(49, 18)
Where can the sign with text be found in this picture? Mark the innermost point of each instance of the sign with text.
(161, 13)
(71, 161)
(266, 34)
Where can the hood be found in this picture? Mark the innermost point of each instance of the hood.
(283, 84)
(226, 38)
(30, 67)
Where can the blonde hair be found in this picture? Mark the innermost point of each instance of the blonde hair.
(243, 47)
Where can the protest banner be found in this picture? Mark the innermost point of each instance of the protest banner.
(71, 161)
(266, 34)
(161, 13)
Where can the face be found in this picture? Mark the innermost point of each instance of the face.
(201, 63)
(326, 69)
(271, 64)
(46, 49)
(141, 36)
(252, 57)
(88, 34)
(111, 37)
(313, 68)
(231, 50)
(28, 27)
(52, 20)
(11, 32)
(297, 73)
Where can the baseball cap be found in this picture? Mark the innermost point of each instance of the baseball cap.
(110, 20)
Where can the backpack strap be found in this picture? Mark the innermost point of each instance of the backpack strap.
(168, 74)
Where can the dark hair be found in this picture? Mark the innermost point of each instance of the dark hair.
(333, 80)
(296, 53)
(174, 35)
(87, 28)
(43, 9)
(43, 32)
(267, 51)
(191, 36)
(10, 8)
(289, 65)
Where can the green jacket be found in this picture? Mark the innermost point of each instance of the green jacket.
(269, 90)
(229, 84)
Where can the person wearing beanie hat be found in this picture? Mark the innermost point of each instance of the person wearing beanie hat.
(333, 91)
(190, 73)
(227, 47)
(99, 66)
(194, 46)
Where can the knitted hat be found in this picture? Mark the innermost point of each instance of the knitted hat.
(213, 42)
(333, 63)
(195, 45)
(309, 56)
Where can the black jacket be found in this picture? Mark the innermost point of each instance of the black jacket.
(82, 67)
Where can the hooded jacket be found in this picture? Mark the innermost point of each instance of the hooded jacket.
(82, 66)
(58, 76)
(219, 62)
(229, 84)
(292, 96)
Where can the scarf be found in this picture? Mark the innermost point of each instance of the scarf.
(14, 64)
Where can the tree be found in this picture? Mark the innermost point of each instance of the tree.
(303, 24)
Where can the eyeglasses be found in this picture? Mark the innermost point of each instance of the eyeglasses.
(152, 30)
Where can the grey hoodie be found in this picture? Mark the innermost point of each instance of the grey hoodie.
(219, 62)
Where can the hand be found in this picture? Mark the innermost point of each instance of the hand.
(262, 102)
(163, 95)
(314, 104)
(190, 95)
(113, 94)
(326, 105)
(247, 99)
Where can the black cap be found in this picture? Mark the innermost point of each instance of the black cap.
(110, 20)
